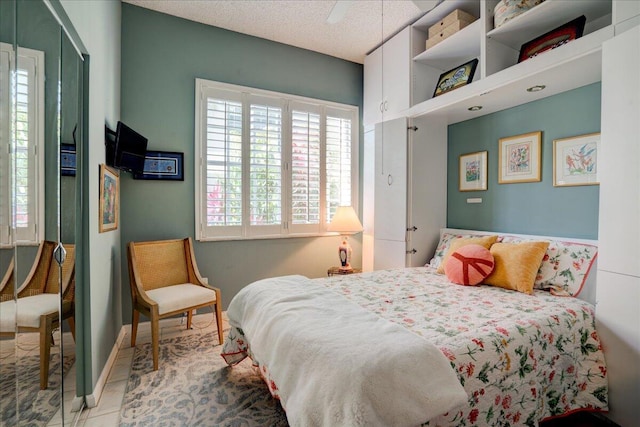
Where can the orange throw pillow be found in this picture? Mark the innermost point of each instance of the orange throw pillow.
(469, 265)
(516, 265)
(456, 244)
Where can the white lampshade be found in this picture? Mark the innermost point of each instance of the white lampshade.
(345, 221)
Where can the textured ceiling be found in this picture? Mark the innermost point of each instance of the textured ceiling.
(364, 24)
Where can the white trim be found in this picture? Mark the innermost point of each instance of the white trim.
(93, 398)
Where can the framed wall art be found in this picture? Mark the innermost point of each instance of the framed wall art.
(162, 165)
(109, 199)
(553, 39)
(473, 171)
(456, 77)
(575, 160)
(519, 158)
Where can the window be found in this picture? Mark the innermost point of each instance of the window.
(271, 164)
(21, 164)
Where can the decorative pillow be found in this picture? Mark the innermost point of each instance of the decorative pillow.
(565, 266)
(455, 244)
(469, 265)
(516, 265)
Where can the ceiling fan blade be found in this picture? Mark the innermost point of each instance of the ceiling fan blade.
(338, 11)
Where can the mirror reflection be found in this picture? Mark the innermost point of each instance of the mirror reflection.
(40, 107)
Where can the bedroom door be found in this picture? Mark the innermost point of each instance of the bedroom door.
(390, 199)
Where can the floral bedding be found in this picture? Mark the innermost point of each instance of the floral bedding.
(520, 358)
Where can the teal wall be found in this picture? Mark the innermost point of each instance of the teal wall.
(528, 208)
(161, 58)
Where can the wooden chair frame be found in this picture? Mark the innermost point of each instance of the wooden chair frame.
(142, 303)
(39, 281)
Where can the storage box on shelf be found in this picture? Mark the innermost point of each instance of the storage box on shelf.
(449, 25)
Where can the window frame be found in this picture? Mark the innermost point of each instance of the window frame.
(286, 229)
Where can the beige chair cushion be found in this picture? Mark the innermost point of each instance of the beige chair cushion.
(177, 297)
(29, 311)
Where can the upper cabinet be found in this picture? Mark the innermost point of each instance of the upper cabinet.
(499, 81)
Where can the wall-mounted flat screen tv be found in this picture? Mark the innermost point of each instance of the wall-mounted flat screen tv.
(128, 149)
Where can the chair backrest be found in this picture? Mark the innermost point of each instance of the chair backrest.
(159, 263)
(7, 285)
(44, 276)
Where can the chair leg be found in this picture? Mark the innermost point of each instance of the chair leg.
(134, 326)
(45, 351)
(189, 318)
(155, 331)
(218, 315)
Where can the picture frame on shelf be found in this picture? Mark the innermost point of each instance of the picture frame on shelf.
(109, 199)
(67, 159)
(473, 171)
(519, 158)
(575, 160)
(162, 165)
(457, 77)
(555, 38)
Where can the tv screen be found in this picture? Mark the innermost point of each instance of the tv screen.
(130, 149)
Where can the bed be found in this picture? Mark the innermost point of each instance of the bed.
(408, 347)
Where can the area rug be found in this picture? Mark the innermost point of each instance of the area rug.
(193, 386)
(34, 407)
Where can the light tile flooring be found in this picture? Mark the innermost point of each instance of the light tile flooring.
(107, 412)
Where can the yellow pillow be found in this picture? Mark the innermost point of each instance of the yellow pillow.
(516, 265)
(456, 244)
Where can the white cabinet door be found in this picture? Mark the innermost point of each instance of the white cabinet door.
(372, 97)
(389, 254)
(619, 217)
(387, 79)
(391, 180)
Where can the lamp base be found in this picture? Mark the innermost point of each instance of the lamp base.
(346, 268)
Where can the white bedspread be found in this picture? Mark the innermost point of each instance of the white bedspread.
(355, 361)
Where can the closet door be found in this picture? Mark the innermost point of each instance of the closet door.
(390, 194)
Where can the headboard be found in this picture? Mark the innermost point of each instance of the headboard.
(588, 292)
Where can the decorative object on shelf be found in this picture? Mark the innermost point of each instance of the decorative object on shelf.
(473, 171)
(162, 165)
(450, 24)
(520, 158)
(506, 10)
(67, 159)
(562, 35)
(456, 77)
(345, 221)
(575, 160)
(109, 199)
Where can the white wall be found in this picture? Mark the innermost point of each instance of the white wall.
(98, 25)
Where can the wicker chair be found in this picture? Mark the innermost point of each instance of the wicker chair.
(39, 301)
(7, 285)
(165, 281)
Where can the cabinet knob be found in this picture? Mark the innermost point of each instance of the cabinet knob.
(381, 107)
(386, 105)
(389, 179)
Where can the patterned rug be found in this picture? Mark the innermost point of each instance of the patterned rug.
(194, 387)
(34, 407)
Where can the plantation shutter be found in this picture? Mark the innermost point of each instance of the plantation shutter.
(265, 166)
(222, 206)
(339, 125)
(305, 176)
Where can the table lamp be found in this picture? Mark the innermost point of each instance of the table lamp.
(345, 221)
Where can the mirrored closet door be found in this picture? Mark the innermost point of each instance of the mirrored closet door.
(40, 127)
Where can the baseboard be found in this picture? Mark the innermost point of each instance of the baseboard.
(93, 398)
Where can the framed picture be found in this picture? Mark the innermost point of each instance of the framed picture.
(67, 160)
(109, 199)
(554, 38)
(519, 157)
(162, 165)
(455, 78)
(575, 160)
(473, 171)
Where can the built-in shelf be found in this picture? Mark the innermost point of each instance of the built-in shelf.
(454, 50)
(443, 9)
(545, 17)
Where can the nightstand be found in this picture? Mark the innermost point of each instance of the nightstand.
(336, 271)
